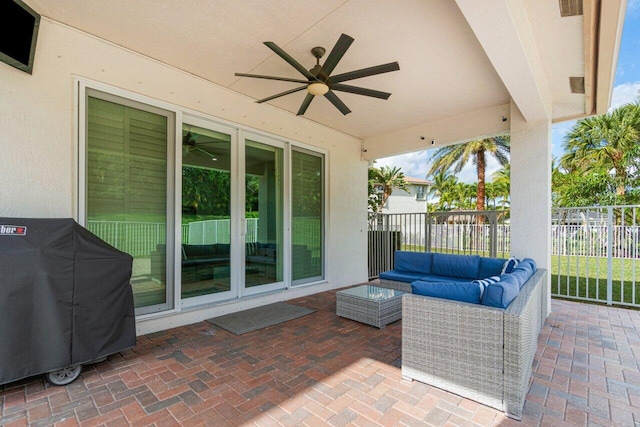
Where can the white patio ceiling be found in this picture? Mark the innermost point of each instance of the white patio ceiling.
(456, 57)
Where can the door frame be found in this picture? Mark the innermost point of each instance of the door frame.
(233, 215)
(283, 219)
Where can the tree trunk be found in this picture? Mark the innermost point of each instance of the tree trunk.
(620, 185)
(480, 168)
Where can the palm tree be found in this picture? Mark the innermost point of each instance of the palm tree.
(389, 178)
(610, 140)
(455, 157)
(443, 182)
(493, 191)
(502, 184)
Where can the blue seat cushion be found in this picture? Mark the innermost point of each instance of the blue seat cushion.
(436, 278)
(400, 276)
(413, 262)
(457, 291)
(490, 267)
(461, 266)
(501, 294)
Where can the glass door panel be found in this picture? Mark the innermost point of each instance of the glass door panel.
(263, 217)
(307, 217)
(126, 189)
(205, 257)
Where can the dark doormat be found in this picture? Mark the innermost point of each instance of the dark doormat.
(259, 317)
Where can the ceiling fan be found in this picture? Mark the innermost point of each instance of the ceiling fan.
(189, 144)
(319, 79)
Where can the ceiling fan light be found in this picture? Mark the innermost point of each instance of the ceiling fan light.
(316, 89)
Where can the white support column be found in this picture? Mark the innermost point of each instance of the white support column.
(531, 190)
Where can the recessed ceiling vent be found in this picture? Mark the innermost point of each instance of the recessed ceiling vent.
(577, 84)
(570, 7)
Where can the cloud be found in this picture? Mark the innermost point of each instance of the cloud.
(625, 93)
(413, 165)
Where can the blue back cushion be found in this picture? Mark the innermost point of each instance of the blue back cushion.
(524, 270)
(521, 275)
(501, 294)
(462, 266)
(531, 262)
(198, 251)
(458, 291)
(412, 262)
(490, 267)
(222, 248)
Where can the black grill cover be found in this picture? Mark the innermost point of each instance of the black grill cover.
(65, 297)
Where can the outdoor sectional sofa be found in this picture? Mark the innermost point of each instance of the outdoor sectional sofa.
(198, 261)
(479, 345)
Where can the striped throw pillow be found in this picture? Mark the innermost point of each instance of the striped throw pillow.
(486, 282)
(509, 265)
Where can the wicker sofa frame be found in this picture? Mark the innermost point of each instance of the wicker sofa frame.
(478, 352)
(395, 284)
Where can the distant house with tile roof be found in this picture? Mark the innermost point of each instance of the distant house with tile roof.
(412, 201)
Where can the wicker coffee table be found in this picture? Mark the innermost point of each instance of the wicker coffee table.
(368, 304)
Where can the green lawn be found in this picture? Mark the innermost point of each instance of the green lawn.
(587, 278)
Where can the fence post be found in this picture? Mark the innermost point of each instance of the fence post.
(427, 239)
(116, 243)
(493, 234)
(609, 255)
(426, 231)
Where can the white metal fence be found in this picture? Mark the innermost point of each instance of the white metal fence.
(595, 253)
(595, 250)
(134, 238)
(139, 239)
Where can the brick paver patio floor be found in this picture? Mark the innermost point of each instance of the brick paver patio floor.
(321, 369)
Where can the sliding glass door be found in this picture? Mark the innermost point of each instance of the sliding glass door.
(208, 211)
(231, 214)
(127, 189)
(263, 234)
(206, 244)
(307, 216)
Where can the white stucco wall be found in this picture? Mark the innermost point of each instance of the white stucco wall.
(401, 201)
(38, 143)
(531, 192)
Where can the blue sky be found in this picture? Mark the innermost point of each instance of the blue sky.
(626, 89)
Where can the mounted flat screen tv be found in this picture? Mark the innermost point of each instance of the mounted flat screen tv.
(18, 34)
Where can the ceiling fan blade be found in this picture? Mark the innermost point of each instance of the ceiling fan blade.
(295, 64)
(213, 156)
(361, 91)
(269, 98)
(336, 53)
(305, 104)
(364, 72)
(333, 98)
(284, 79)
